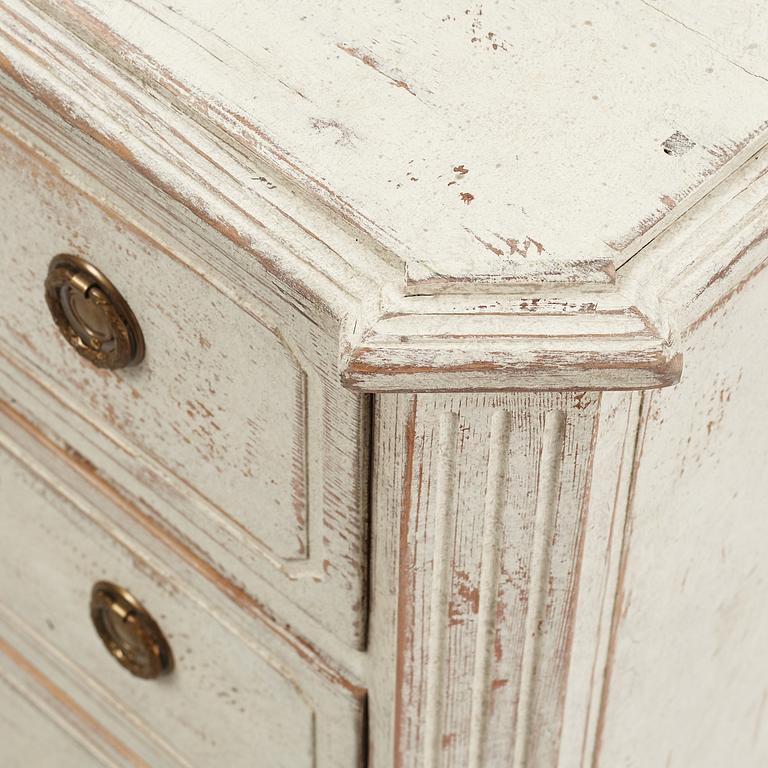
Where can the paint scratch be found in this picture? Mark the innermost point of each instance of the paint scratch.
(371, 62)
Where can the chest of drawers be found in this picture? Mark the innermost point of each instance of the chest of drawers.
(382, 385)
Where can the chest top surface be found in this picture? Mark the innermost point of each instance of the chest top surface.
(464, 189)
(521, 143)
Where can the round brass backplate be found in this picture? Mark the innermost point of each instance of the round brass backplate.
(91, 314)
(129, 632)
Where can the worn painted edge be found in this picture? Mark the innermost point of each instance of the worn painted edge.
(623, 339)
(701, 262)
(21, 428)
(293, 237)
(226, 123)
(596, 342)
(619, 337)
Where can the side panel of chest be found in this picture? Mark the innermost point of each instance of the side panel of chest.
(687, 674)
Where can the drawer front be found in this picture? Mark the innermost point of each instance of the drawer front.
(42, 727)
(236, 695)
(235, 414)
(31, 738)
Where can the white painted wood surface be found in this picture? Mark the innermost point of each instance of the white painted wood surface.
(511, 109)
(499, 578)
(230, 698)
(31, 737)
(688, 680)
(218, 172)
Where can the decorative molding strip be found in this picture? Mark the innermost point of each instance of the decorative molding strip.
(489, 585)
(16, 436)
(60, 708)
(324, 479)
(307, 480)
(616, 601)
(81, 683)
(283, 232)
(550, 465)
(440, 587)
(497, 492)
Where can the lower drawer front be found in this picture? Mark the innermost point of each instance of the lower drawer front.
(30, 737)
(230, 700)
(42, 727)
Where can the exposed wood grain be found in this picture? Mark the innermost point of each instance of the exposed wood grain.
(240, 198)
(70, 466)
(616, 453)
(623, 340)
(495, 513)
(218, 167)
(440, 590)
(564, 572)
(490, 563)
(589, 339)
(515, 609)
(393, 444)
(532, 663)
(516, 353)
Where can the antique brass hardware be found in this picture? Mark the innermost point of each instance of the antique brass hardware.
(129, 632)
(91, 314)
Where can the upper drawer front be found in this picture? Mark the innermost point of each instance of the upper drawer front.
(235, 412)
(238, 694)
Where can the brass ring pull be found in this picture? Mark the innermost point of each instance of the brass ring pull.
(129, 632)
(91, 314)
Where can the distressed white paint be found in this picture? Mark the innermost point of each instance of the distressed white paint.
(31, 736)
(228, 413)
(490, 564)
(510, 108)
(448, 200)
(231, 697)
(226, 174)
(488, 616)
(688, 682)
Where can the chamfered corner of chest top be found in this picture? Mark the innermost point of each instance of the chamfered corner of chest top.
(570, 255)
(628, 336)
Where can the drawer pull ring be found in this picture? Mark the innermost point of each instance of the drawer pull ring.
(91, 314)
(129, 632)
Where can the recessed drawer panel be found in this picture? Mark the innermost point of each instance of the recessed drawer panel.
(235, 413)
(29, 735)
(229, 693)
